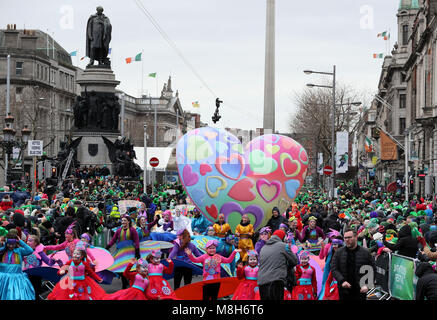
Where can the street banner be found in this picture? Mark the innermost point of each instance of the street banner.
(342, 155)
(389, 149)
(320, 163)
(125, 205)
(382, 271)
(403, 280)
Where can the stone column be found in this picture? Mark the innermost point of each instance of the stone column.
(269, 77)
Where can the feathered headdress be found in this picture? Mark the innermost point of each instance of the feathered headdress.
(70, 228)
(333, 234)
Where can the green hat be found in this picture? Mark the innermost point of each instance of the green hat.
(3, 232)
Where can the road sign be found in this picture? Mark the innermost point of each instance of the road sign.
(327, 170)
(154, 162)
(35, 148)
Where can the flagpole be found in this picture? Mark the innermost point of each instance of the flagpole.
(142, 73)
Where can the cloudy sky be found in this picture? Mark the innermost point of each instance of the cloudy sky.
(221, 47)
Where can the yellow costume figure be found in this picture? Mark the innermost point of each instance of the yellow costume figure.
(221, 228)
(244, 232)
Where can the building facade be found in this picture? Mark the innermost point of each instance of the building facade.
(42, 86)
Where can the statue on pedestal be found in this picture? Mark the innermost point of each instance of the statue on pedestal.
(98, 36)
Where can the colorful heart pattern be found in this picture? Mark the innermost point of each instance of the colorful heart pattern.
(222, 176)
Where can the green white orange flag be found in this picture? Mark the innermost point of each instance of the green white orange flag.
(195, 104)
(368, 145)
(382, 34)
(152, 75)
(137, 58)
(378, 55)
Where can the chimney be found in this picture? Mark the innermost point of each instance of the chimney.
(11, 37)
(28, 40)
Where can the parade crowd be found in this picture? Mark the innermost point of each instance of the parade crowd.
(97, 227)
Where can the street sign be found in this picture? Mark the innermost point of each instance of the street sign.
(154, 162)
(35, 148)
(327, 170)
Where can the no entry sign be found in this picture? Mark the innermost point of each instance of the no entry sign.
(154, 162)
(327, 170)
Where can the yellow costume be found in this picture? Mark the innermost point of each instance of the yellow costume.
(221, 230)
(245, 242)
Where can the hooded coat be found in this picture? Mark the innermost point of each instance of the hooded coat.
(406, 245)
(427, 282)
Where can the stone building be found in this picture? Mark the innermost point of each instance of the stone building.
(42, 86)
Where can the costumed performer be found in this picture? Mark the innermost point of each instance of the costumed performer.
(306, 288)
(159, 288)
(248, 288)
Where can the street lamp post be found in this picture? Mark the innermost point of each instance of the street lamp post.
(333, 74)
(9, 142)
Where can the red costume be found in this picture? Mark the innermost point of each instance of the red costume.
(248, 288)
(77, 285)
(158, 287)
(306, 288)
(138, 286)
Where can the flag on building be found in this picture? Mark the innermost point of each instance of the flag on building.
(152, 75)
(195, 104)
(129, 60)
(389, 149)
(378, 55)
(382, 34)
(73, 54)
(368, 145)
(387, 37)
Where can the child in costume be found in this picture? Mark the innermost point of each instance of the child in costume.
(248, 288)
(211, 262)
(244, 232)
(35, 260)
(77, 284)
(221, 228)
(69, 244)
(159, 288)
(329, 289)
(14, 283)
(264, 235)
(138, 281)
(305, 274)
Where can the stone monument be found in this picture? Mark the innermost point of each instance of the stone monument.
(96, 111)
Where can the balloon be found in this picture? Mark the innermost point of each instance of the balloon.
(220, 175)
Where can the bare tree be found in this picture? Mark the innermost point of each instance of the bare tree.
(312, 118)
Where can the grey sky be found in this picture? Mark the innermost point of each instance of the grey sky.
(224, 40)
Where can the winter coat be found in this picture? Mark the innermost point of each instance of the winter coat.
(426, 286)
(339, 264)
(331, 222)
(275, 222)
(275, 260)
(406, 244)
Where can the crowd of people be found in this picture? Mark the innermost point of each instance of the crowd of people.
(315, 250)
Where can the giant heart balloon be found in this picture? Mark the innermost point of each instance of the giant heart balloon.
(222, 176)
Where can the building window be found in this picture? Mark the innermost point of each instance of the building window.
(402, 101)
(402, 125)
(18, 68)
(405, 35)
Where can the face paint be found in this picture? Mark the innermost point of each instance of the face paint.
(68, 237)
(77, 255)
(304, 260)
(31, 242)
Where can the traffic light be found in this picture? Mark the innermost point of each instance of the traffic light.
(411, 188)
(421, 174)
(53, 172)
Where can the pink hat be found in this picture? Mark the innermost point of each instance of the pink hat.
(211, 243)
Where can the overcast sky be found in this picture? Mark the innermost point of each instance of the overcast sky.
(224, 41)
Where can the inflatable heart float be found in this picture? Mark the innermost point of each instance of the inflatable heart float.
(222, 176)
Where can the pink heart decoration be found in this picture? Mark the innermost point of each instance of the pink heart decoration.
(222, 159)
(275, 184)
(190, 177)
(205, 168)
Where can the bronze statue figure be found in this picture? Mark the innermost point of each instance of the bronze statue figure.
(98, 36)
